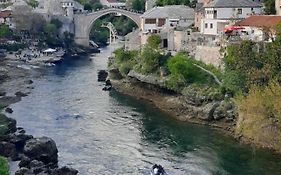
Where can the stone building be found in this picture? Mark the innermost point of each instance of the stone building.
(6, 18)
(164, 21)
(219, 13)
(278, 7)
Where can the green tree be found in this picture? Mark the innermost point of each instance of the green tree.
(269, 7)
(88, 7)
(50, 29)
(97, 6)
(150, 59)
(4, 168)
(138, 5)
(176, 2)
(154, 41)
(4, 30)
(33, 3)
(57, 23)
(68, 39)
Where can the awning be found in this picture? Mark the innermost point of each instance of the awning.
(232, 27)
(49, 50)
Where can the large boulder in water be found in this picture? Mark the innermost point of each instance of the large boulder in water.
(102, 75)
(8, 150)
(64, 171)
(43, 149)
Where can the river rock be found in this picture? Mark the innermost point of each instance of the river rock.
(108, 83)
(115, 74)
(102, 75)
(11, 123)
(64, 171)
(7, 100)
(20, 94)
(29, 81)
(19, 139)
(9, 110)
(22, 171)
(107, 88)
(225, 110)
(2, 93)
(25, 161)
(43, 149)
(8, 150)
(208, 111)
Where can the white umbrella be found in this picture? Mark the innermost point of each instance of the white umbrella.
(50, 50)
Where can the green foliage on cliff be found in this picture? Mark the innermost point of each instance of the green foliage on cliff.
(181, 70)
(126, 60)
(184, 71)
(32, 3)
(4, 31)
(250, 63)
(4, 170)
(3, 124)
(154, 41)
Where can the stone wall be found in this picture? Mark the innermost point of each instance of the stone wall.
(209, 55)
(133, 40)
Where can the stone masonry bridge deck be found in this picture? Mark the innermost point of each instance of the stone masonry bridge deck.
(83, 22)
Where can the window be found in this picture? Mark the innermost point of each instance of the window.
(211, 25)
(206, 25)
(239, 11)
(161, 22)
(150, 21)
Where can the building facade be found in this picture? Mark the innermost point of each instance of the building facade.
(6, 18)
(164, 21)
(278, 7)
(219, 13)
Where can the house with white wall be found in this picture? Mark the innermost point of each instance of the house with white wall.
(258, 28)
(219, 13)
(6, 18)
(164, 21)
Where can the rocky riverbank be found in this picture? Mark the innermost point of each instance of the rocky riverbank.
(35, 155)
(191, 106)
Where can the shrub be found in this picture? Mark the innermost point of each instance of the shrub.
(260, 114)
(184, 71)
(3, 166)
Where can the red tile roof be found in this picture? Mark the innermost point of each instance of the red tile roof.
(260, 21)
(5, 14)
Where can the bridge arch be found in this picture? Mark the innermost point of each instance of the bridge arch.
(84, 22)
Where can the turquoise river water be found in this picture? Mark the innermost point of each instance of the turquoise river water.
(107, 133)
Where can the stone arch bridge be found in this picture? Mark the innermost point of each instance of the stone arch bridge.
(83, 22)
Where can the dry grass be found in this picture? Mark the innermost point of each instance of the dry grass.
(260, 115)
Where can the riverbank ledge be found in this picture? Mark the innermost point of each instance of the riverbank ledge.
(192, 106)
(201, 106)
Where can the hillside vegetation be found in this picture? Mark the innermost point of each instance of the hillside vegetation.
(253, 75)
(177, 71)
